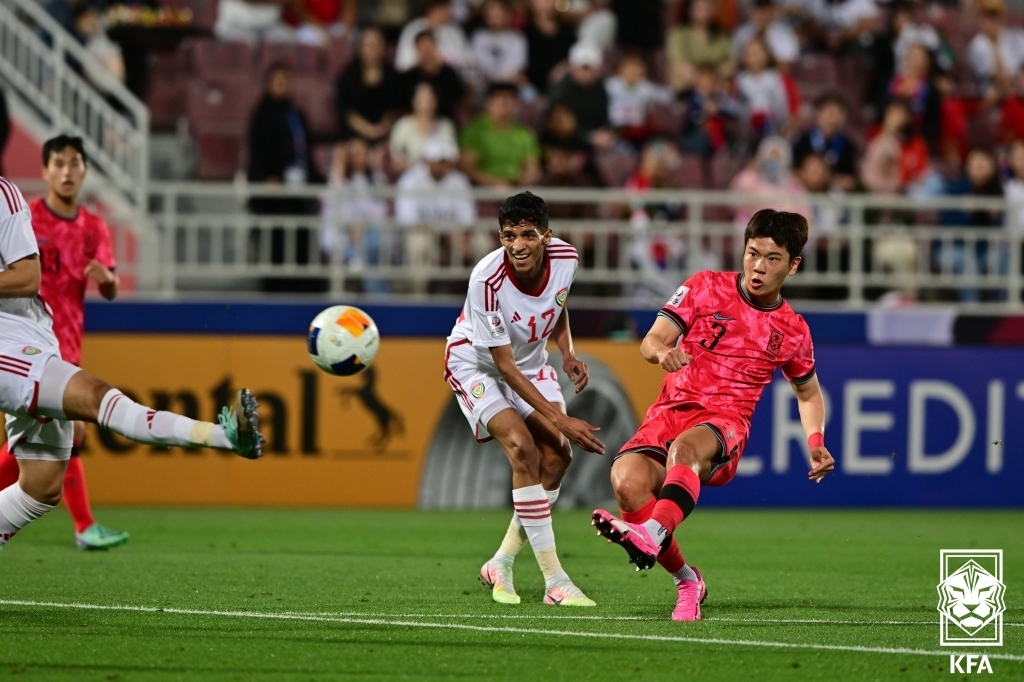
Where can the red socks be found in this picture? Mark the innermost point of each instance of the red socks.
(678, 497)
(671, 558)
(76, 496)
(9, 470)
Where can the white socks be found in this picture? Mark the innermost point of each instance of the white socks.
(515, 536)
(658, 532)
(124, 416)
(684, 573)
(17, 510)
(534, 511)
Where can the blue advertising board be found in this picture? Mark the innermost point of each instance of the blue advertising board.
(907, 427)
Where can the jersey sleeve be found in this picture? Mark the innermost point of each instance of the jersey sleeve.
(800, 368)
(104, 246)
(684, 306)
(484, 314)
(17, 241)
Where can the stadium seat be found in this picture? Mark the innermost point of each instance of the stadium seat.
(167, 90)
(668, 118)
(725, 167)
(615, 165)
(531, 114)
(214, 58)
(339, 54)
(218, 116)
(303, 59)
(204, 12)
(220, 154)
(317, 103)
(691, 173)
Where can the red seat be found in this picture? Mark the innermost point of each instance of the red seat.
(204, 12)
(317, 103)
(725, 167)
(615, 166)
(303, 59)
(667, 117)
(691, 173)
(214, 58)
(220, 155)
(166, 90)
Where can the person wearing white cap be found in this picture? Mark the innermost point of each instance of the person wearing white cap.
(583, 91)
(434, 192)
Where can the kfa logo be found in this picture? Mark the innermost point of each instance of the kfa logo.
(969, 663)
(971, 593)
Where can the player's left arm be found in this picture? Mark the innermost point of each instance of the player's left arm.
(101, 267)
(574, 368)
(811, 404)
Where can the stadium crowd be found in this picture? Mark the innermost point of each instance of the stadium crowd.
(761, 96)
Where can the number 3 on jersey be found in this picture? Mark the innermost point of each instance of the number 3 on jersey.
(548, 315)
(719, 331)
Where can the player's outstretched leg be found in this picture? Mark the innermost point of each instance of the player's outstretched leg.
(636, 480)
(532, 506)
(555, 455)
(67, 392)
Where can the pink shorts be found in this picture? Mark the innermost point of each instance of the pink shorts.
(664, 423)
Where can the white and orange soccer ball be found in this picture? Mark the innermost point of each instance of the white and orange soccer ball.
(343, 340)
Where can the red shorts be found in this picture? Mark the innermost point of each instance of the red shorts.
(664, 423)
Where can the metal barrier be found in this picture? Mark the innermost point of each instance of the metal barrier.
(66, 90)
(860, 246)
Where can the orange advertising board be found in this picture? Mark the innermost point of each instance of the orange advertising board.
(352, 441)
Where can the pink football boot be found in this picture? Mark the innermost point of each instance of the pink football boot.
(692, 594)
(638, 543)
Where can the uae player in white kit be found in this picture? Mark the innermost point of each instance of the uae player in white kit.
(497, 363)
(41, 394)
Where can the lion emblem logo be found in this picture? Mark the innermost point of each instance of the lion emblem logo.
(971, 598)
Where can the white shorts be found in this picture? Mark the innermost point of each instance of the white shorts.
(30, 436)
(482, 394)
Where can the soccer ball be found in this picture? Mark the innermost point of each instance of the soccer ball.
(343, 340)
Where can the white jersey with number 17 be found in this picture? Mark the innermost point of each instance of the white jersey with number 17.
(500, 310)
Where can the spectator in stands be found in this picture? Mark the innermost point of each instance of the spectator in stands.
(815, 176)
(352, 225)
(847, 24)
(432, 68)
(980, 179)
(915, 83)
(889, 49)
(698, 41)
(996, 53)
(499, 51)
(89, 30)
(711, 115)
(769, 177)
(252, 21)
(583, 91)
(366, 93)
(897, 157)
(497, 151)
(829, 140)
(1014, 187)
(776, 34)
(565, 167)
(433, 192)
(562, 130)
(630, 97)
(639, 24)
(317, 22)
(763, 91)
(548, 40)
(279, 136)
(5, 128)
(451, 41)
(410, 133)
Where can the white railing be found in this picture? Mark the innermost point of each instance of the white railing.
(210, 241)
(43, 65)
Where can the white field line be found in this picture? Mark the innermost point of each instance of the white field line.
(500, 629)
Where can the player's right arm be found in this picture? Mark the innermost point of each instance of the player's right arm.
(18, 247)
(674, 320)
(577, 431)
(659, 346)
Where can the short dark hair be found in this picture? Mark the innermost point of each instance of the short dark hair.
(431, 4)
(525, 208)
(502, 87)
(55, 145)
(423, 35)
(784, 228)
(831, 98)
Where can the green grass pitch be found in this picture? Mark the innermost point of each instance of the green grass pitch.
(393, 595)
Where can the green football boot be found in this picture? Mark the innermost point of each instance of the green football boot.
(99, 537)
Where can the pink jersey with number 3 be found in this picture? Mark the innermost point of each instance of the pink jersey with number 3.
(736, 344)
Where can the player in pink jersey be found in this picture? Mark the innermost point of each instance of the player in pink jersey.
(720, 338)
(496, 362)
(74, 248)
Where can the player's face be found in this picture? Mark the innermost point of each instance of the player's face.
(65, 172)
(524, 245)
(765, 267)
